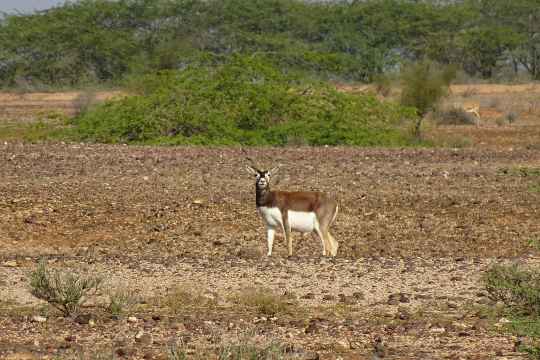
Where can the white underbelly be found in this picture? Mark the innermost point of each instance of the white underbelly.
(298, 220)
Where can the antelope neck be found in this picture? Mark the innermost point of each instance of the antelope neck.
(263, 196)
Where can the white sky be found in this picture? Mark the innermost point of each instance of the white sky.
(26, 6)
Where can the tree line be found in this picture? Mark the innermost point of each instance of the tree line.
(99, 41)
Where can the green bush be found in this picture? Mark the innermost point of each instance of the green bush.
(245, 101)
(423, 85)
(515, 287)
(66, 291)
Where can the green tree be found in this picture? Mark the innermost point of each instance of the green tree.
(423, 85)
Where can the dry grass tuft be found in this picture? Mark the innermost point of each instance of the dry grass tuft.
(264, 301)
(187, 298)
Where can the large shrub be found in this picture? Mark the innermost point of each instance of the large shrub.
(245, 101)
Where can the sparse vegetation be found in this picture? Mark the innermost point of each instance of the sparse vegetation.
(453, 116)
(186, 298)
(120, 300)
(248, 351)
(519, 289)
(265, 302)
(66, 291)
(177, 351)
(516, 287)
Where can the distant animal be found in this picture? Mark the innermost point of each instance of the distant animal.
(471, 108)
(302, 211)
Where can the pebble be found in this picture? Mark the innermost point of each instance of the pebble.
(38, 318)
(438, 330)
(131, 319)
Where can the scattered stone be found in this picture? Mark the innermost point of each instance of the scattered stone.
(125, 352)
(38, 318)
(347, 300)
(178, 326)
(309, 355)
(483, 301)
(131, 319)
(481, 324)
(83, 319)
(343, 344)
(143, 338)
(451, 305)
(328, 298)
(504, 321)
(395, 299)
(437, 330)
(403, 315)
(21, 356)
(308, 296)
(423, 297)
(312, 327)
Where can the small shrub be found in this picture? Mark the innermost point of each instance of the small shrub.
(120, 300)
(249, 351)
(187, 298)
(534, 243)
(454, 116)
(65, 291)
(535, 188)
(515, 287)
(500, 121)
(511, 117)
(522, 171)
(176, 351)
(264, 301)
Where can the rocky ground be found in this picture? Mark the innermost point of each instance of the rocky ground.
(177, 229)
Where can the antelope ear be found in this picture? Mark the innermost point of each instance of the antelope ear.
(274, 170)
(251, 170)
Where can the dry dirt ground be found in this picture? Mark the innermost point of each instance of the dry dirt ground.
(177, 229)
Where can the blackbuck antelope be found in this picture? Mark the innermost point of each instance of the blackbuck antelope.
(303, 211)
